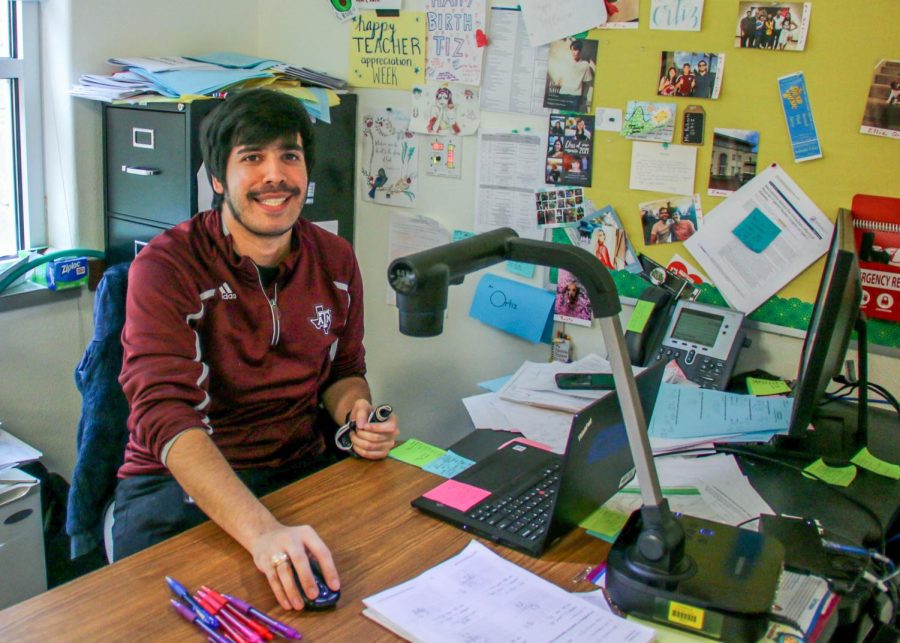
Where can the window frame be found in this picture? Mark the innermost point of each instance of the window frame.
(25, 71)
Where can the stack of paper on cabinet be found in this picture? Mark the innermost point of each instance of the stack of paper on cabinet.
(480, 596)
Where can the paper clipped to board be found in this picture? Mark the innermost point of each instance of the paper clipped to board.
(760, 238)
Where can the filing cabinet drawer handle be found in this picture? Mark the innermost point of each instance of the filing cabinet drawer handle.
(141, 171)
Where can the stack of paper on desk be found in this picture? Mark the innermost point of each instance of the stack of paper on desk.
(14, 452)
(480, 596)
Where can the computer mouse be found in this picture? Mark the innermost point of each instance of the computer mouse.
(327, 597)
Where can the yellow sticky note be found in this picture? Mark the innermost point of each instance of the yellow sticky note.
(757, 386)
(867, 461)
(388, 52)
(839, 476)
(605, 522)
(640, 316)
(416, 452)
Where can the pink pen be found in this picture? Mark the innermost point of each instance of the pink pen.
(224, 623)
(249, 629)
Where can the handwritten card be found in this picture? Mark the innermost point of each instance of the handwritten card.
(663, 168)
(514, 307)
(454, 31)
(457, 495)
(548, 21)
(387, 52)
(645, 121)
(676, 15)
(390, 159)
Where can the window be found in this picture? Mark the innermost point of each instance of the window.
(22, 220)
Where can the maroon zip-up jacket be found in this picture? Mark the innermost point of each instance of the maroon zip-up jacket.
(205, 345)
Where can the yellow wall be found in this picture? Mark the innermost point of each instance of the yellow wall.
(843, 46)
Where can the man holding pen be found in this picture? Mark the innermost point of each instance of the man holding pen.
(242, 325)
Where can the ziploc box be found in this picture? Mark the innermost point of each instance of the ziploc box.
(59, 274)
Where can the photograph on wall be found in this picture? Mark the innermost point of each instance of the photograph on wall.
(569, 145)
(779, 26)
(882, 113)
(733, 162)
(645, 121)
(455, 37)
(572, 305)
(676, 15)
(671, 219)
(690, 73)
(571, 65)
(444, 109)
(389, 159)
(559, 208)
(601, 232)
(622, 14)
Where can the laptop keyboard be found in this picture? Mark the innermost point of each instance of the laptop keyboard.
(526, 514)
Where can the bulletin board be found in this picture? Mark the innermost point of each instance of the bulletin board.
(838, 63)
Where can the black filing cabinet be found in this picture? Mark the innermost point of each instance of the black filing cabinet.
(152, 156)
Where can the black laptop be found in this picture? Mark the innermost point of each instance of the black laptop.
(537, 496)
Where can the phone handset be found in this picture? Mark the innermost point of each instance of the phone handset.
(648, 322)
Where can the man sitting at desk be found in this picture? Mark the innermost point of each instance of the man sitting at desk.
(239, 324)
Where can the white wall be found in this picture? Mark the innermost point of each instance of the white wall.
(423, 378)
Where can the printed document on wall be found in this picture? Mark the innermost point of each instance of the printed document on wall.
(510, 169)
(760, 238)
(549, 21)
(410, 234)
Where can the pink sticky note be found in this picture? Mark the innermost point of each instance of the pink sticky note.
(457, 495)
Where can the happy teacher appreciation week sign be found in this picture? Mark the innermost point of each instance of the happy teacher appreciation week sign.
(388, 52)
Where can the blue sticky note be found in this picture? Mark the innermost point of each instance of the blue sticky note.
(448, 465)
(495, 384)
(521, 269)
(756, 231)
(514, 307)
(459, 235)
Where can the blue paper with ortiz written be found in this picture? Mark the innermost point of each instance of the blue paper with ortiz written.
(514, 307)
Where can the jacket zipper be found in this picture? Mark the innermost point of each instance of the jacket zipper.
(273, 308)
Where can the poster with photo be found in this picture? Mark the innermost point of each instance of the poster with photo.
(571, 65)
(690, 73)
(671, 219)
(733, 162)
(882, 112)
(616, 248)
(572, 305)
(389, 159)
(779, 26)
(559, 208)
(445, 109)
(622, 14)
(645, 121)
(569, 145)
(454, 29)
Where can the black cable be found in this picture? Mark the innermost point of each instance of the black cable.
(719, 448)
(786, 620)
(886, 395)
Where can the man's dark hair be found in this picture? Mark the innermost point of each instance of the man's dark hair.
(577, 45)
(254, 117)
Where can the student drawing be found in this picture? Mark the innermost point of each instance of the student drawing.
(443, 113)
(445, 109)
(389, 159)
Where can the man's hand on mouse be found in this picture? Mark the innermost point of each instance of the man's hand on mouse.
(279, 551)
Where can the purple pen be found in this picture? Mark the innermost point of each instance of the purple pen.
(181, 592)
(245, 608)
(191, 617)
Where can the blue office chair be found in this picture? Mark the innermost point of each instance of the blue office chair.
(102, 429)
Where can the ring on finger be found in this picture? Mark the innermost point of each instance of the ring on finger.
(279, 558)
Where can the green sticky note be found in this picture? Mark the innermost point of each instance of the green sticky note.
(867, 461)
(416, 452)
(605, 523)
(640, 316)
(839, 476)
(757, 386)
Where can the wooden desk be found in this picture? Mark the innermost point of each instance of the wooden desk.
(361, 509)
